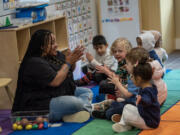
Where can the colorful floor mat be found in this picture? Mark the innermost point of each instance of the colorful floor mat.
(170, 123)
(65, 129)
(104, 127)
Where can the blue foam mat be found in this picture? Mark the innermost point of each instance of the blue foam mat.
(70, 128)
(65, 129)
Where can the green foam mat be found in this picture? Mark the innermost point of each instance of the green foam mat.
(101, 127)
(173, 75)
(173, 84)
(172, 97)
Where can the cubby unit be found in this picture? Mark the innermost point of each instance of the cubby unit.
(23, 37)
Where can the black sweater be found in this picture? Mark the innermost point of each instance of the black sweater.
(148, 107)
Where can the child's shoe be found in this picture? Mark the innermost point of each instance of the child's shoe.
(78, 117)
(116, 118)
(120, 128)
(104, 105)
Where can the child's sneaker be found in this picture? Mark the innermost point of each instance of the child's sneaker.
(120, 128)
(116, 118)
(103, 106)
(78, 117)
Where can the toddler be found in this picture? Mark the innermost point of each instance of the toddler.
(119, 49)
(146, 113)
(102, 57)
(161, 52)
(147, 41)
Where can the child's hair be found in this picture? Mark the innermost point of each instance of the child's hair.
(137, 54)
(143, 69)
(123, 42)
(99, 40)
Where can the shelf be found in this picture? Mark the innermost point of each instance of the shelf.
(61, 34)
(34, 24)
(48, 26)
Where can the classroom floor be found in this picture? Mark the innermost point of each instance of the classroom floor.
(173, 61)
(172, 80)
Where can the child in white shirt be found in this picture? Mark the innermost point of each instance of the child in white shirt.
(102, 57)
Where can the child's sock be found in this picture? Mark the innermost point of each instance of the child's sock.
(116, 118)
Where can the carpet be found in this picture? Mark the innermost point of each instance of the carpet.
(66, 128)
(104, 127)
(5, 122)
(170, 122)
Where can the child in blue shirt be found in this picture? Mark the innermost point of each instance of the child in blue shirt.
(146, 113)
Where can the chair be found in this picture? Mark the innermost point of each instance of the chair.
(4, 82)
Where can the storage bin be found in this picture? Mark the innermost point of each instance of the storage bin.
(29, 120)
(37, 13)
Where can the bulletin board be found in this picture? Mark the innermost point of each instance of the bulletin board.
(119, 18)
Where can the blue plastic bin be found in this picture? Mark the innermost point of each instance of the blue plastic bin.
(37, 13)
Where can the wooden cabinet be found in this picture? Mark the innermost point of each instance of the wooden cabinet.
(14, 42)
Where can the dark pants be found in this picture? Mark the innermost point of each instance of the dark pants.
(96, 77)
(106, 88)
(117, 107)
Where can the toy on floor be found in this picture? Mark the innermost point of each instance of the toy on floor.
(28, 124)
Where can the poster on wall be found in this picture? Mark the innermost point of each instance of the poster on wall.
(119, 18)
(118, 7)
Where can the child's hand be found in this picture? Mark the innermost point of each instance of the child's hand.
(113, 79)
(118, 93)
(73, 57)
(89, 57)
(138, 99)
(102, 69)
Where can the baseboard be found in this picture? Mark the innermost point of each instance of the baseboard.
(177, 43)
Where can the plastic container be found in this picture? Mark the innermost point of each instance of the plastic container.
(37, 13)
(28, 120)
